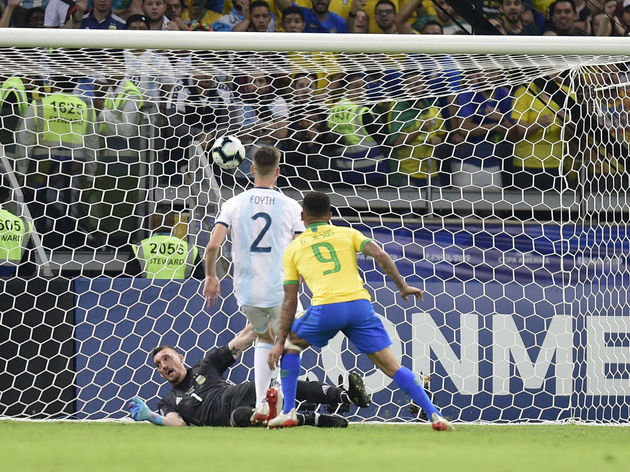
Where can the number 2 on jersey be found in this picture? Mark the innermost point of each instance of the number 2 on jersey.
(331, 257)
(255, 247)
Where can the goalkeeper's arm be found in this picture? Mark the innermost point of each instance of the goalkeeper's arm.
(140, 412)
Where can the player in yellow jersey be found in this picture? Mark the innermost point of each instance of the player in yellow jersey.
(325, 256)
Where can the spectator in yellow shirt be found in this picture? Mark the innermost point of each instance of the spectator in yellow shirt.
(199, 13)
(541, 132)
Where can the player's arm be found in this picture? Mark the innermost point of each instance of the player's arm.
(388, 266)
(140, 412)
(173, 419)
(242, 340)
(212, 287)
(287, 315)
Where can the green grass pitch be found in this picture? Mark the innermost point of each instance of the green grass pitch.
(142, 447)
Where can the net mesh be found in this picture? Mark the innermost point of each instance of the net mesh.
(497, 183)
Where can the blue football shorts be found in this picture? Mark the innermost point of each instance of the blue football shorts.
(356, 319)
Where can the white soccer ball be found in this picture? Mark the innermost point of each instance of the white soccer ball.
(228, 152)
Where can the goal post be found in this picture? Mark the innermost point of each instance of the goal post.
(365, 43)
(492, 169)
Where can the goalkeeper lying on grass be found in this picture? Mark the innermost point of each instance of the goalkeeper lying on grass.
(202, 397)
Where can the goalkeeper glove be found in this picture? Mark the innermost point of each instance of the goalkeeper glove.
(140, 411)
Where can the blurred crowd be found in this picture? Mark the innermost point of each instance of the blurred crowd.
(83, 146)
(524, 17)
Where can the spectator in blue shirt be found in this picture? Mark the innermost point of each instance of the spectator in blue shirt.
(235, 19)
(99, 17)
(318, 19)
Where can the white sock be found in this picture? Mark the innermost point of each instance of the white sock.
(262, 373)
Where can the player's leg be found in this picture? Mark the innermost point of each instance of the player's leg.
(306, 330)
(404, 378)
(263, 375)
(367, 333)
(260, 320)
(314, 391)
(290, 366)
(275, 401)
(240, 418)
(409, 383)
(356, 391)
(310, 391)
(322, 421)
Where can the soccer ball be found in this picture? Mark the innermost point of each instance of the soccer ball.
(228, 152)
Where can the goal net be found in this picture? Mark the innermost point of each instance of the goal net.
(493, 170)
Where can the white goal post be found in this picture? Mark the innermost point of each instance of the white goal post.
(367, 43)
(492, 168)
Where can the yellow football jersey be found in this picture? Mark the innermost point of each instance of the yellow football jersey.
(326, 257)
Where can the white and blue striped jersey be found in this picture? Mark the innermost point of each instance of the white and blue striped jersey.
(262, 222)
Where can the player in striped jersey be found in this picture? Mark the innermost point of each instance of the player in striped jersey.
(326, 257)
(262, 222)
